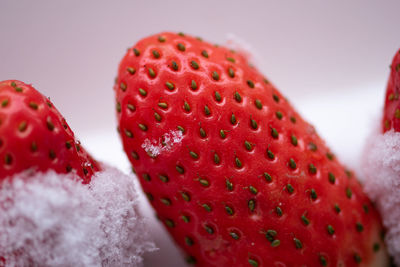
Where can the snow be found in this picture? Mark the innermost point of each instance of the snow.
(112, 152)
(51, 219)
(381, 171)
(164, 143)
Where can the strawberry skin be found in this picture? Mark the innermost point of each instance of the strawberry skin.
(232, 170)
(391, 115)
(34, 135)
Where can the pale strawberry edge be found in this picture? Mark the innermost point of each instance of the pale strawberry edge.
(391, 111)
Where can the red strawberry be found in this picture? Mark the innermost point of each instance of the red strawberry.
(391, 116)
(235, 174)
(35, 136)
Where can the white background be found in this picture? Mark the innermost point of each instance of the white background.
(330, 58)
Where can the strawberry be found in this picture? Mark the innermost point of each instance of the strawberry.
(232, 170)
(391, 115)
(34, 135)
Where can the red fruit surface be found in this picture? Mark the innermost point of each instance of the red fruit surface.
(248, 182)
(34, 135)
(391, 115)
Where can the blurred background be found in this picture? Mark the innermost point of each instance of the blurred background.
(330, 58)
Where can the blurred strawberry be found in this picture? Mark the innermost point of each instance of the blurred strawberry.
(34, 136)
(391, 114)
(233, 171)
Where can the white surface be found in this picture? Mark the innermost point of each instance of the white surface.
(57, 221)
(381, 169)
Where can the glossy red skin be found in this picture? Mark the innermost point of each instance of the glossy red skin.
(18, 144)
(392, 101)
(219, 248)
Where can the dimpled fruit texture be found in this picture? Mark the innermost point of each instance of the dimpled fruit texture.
(235, 174)
(391, 115)
(34, 135)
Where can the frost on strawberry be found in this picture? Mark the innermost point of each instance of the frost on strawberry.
(35, 137)
(249, 183)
